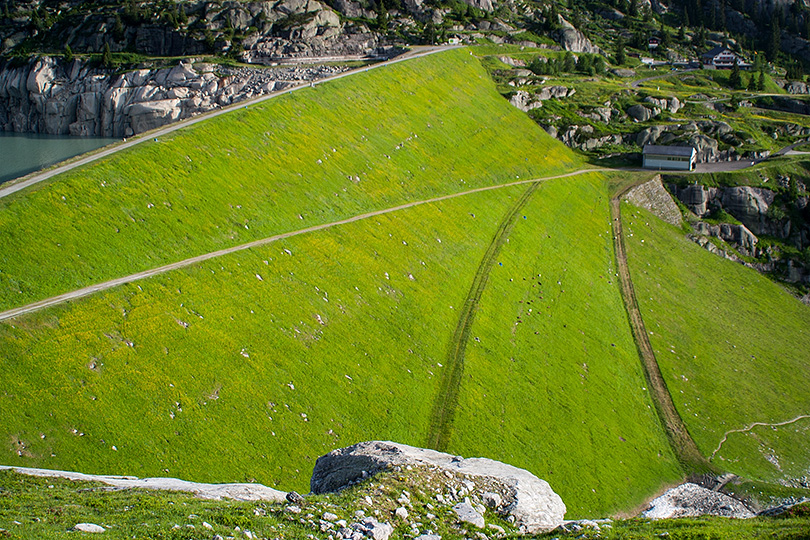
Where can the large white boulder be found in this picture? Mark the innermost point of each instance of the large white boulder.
(531, 501)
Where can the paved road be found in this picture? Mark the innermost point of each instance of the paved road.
(788, 150)
(722, 166)
(86, 291)
(14, 186)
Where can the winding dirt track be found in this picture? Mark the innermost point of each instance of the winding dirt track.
(86, 291)
(681, 442)
(444, 407)
(752, 426)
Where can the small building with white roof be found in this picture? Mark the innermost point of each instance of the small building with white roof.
(675, 158)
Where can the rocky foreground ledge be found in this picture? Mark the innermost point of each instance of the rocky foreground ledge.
(237, 492)
(390, 488)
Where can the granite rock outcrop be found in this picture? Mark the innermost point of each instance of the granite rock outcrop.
(75, 98)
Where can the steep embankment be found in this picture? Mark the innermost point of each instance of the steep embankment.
(552, 381)
(732, 347)
(404, 132)
(255, 363)
(252, 364)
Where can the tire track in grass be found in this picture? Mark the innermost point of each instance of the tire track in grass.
(441, 419)
(681, 442)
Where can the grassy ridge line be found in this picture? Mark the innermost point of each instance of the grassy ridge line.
(413, 131)
(35, 508)
(80, 293)
(447, 399)
(681, 441)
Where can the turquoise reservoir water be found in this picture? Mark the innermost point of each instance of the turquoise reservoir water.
(21, 154)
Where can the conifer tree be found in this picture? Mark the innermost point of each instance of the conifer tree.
(735, 79)
(107, 57)
(752, 83)
(621, 58)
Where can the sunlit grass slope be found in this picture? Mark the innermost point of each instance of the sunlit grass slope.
(403, 132)
(734, 349)
(552, 380)
(254, 364)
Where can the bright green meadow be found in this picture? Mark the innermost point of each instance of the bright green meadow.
(552, 362)
(409, 131)
(733, 346)
(251, 365)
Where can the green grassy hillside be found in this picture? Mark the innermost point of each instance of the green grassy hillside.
(552, 378)
(403, 132)
(250, 365)
(733, 346)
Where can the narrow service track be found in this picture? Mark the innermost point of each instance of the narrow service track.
(684, 447)
(86, 291)
(441, 420)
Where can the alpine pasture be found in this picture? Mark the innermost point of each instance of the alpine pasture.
(552, 367)
(405, 132)
(488, 323)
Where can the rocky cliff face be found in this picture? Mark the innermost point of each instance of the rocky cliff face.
(762, 212)
(298, 27)
(55, 97)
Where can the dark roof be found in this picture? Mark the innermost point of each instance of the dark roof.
(685, 151)
(714, 52)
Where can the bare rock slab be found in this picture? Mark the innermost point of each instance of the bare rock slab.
(531, 501)
(239, 492)
(654, 197)
(692, 500)
(466, 513)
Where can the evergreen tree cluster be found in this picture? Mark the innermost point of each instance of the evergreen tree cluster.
(586, 64)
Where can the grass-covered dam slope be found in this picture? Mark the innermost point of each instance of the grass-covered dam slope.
(251, 365)
(552, 379)
(404, 132)
(733, 347)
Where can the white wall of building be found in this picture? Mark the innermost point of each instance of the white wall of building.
(675, 163)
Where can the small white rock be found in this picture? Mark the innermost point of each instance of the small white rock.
(89, 528)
